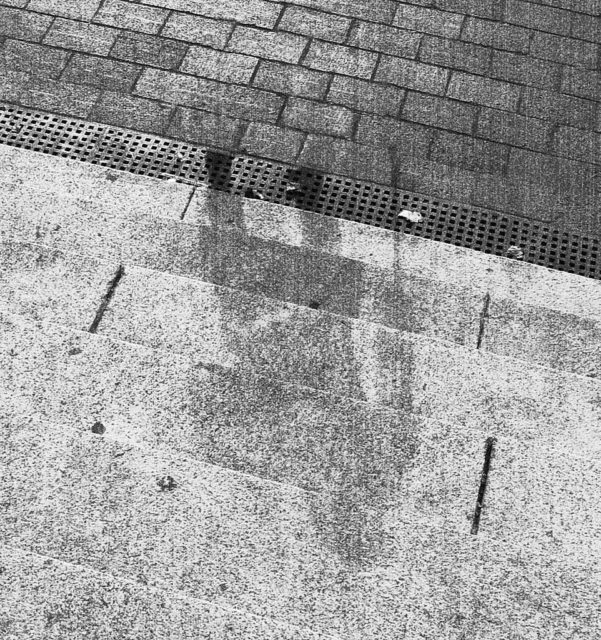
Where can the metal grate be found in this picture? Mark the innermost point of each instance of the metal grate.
(476, 228)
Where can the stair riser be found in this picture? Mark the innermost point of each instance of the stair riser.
(549, 338)
(57, 185)
(399, 300)
(341, 356)
(300, 437)
(40, 283)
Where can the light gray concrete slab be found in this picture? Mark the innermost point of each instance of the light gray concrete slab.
(354, 451)
(440, 590)
(228, 256)
(302, 258)
(44, 597)
(299, 437)
(260, 547)
(35, 186)
(155, 389)
(59, 185)
(339, 355)
(543, 491)
(529, 587)
(44, 283)
(545, 336)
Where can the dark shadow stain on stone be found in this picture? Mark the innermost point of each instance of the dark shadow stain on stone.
(372, 459)
(219, 170)
(29, 256)
(303, 188)
(366, 461)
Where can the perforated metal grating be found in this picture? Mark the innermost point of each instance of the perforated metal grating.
(475, 228)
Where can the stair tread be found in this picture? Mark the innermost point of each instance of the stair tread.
(76, 601)
(316, 260)
(304, 559)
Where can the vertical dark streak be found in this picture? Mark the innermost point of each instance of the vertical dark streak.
(106, 299)
(483, 318)
(483, 480)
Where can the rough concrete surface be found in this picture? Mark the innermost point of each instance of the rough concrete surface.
(270, 549)
(336, 266)
(277, 423)
(42, 283)
(47, 597)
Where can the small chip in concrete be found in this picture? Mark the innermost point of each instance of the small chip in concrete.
(515, 252)
(98, 428)
(75, 351)
(166, 483)
(412, 216)
(313, 304)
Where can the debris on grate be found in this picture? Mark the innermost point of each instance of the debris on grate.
(412, 216)
(330, 195)
(254, 194)
(515, 252)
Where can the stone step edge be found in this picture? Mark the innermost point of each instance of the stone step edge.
(442, 255)
(260, 296)
(196, 183)
(173, 594)
(161, 452)
(384, 408)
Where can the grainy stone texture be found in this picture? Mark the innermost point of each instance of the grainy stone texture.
(536, 59)
(326, 467)
(43, 283)
(41, 595)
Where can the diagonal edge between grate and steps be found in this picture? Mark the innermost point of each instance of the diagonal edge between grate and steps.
(392, 296)
(479, 228)
(277, 222)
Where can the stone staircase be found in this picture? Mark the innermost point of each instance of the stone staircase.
(223, 418)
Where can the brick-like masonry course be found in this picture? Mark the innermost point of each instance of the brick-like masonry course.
(493, 101)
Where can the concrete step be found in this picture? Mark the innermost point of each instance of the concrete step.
(318, 442)
(79, 214)
(300, 557)
(354, 270)
(44, 597)
(260, 336)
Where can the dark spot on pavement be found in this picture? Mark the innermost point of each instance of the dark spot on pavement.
(75, 351)
(98, 428)
(167, 483)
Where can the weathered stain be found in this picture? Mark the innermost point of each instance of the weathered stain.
(373, 460)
